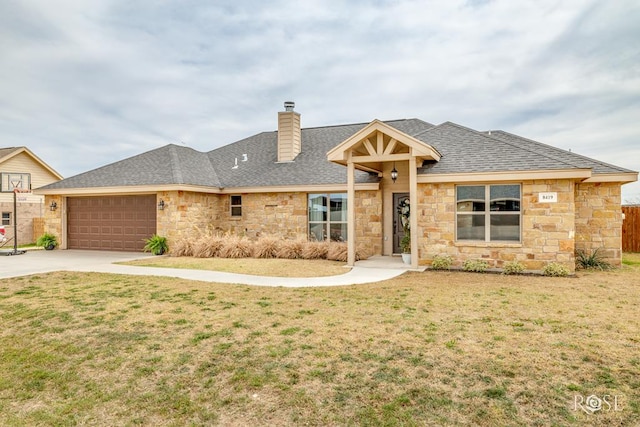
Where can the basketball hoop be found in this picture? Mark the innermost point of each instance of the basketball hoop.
(15, 250)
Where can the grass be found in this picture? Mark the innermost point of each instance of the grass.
(256, 266)
(433, 348)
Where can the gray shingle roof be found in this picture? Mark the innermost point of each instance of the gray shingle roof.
(7, 150)
(171, 164)
(463, 150)
(573, 159)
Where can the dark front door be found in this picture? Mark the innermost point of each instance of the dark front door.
(398, 232)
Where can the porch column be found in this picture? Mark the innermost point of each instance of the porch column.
(351, 213)
(413, 205)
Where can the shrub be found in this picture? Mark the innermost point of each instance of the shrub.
(208, 246)
(291, 249)
(475, 265)
(315, 250)
(266, 247)
(513, 267)
(181, 247)
(337, 252)
(591, 261)
(47, 241)
(235, 247)
(441, 262)
(555, 269)
(157, 245)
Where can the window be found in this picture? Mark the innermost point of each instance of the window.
(236, 206)
(10, 181)
(6, 218)
(488, 212)
(328, 217)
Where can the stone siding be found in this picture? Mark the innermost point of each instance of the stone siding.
(599, 219)
(368, 209)
(547, 228)
(53, 220)
(279, 214)
(187, 213)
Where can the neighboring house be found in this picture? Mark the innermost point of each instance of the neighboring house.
(21, 169)
(489, 195)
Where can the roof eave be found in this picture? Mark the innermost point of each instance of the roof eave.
(502, 176)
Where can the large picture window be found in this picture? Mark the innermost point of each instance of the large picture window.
(328, 217)
(489, 213)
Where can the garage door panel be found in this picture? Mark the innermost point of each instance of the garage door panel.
(111, 222)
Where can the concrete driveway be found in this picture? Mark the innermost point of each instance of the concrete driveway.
(35, 262)
(40, 261)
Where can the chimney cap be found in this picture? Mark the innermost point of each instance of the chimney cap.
(289, 105)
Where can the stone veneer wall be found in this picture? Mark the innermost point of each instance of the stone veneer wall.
(187, 213)
(53, 219)
(547, 228)
(279, 214)
(599, 219)
(368, 207)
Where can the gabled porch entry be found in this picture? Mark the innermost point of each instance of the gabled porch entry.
(379, 148)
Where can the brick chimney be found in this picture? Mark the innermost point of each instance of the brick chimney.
(289, 137)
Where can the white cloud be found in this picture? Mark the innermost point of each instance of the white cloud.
(87, 83)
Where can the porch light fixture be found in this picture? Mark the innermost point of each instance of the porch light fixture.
(394, 173)
(161, 205)
(53, 206)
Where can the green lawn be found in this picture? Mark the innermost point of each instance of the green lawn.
(433, 348)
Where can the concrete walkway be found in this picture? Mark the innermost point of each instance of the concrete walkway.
(35, 262)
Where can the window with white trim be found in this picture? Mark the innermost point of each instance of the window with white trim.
(328, 217)
(236, 206)
(489, 213)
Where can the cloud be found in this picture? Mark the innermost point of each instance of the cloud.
(84, 84)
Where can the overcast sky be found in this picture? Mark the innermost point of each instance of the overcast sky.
(86, 83)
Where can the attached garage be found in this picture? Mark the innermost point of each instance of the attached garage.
(112, 223)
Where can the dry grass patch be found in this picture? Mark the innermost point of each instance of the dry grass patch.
(433, 348)
(258, 267)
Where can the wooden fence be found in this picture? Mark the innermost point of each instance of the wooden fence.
(631, 229)
(38, 228)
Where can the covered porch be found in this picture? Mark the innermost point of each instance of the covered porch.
(381, 149)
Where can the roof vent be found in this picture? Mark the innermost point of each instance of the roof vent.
(289, 105)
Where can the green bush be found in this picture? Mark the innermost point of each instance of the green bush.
(47, 241)
(591, 260)
(441, 262)
(556, 270)
(513, 267)
(157, 245)
(475, 265)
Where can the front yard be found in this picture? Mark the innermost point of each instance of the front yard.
(433, 348)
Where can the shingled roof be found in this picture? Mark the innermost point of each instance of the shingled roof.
(252, 162)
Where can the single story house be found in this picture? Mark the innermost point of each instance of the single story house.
(490, 195)
(22, 170)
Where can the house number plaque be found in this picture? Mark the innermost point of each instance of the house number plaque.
(548, 197)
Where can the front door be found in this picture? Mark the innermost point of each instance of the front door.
(398, 232)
